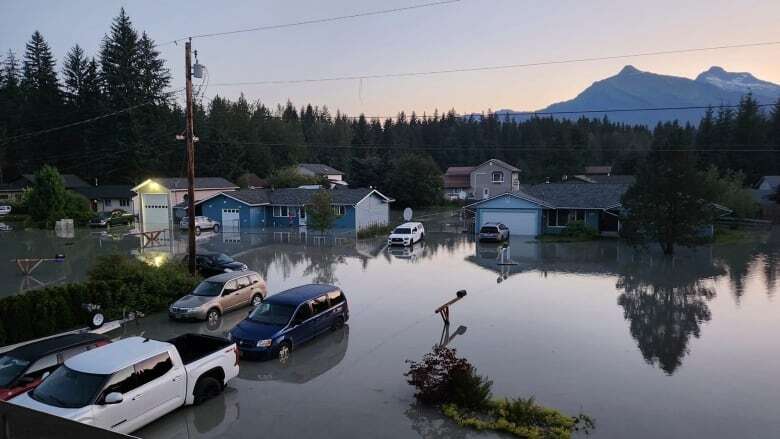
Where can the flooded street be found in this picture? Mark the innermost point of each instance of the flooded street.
(650, 347)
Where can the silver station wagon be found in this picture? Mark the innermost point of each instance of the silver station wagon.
(220, 294)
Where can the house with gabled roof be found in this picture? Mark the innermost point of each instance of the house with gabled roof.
(13, 190)
(355, 208)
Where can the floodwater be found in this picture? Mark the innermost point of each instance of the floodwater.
(650, 347)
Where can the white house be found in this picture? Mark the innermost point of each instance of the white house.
(157, 200)
(319, 170)
(108, 198)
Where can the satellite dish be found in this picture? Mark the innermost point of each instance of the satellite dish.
(407, 214)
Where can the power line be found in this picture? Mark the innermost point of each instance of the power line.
(496, 67)
(84, 121)
(313, 21)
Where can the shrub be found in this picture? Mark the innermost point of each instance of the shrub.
(116, 283)
(579, 230)
(441, 378)
(374, 230)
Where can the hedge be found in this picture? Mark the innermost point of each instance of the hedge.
(116, 283)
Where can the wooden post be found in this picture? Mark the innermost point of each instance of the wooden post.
(188, 135)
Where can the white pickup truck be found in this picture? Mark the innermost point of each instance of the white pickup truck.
(130, 383)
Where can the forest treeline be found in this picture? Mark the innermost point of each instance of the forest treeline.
(127, 88)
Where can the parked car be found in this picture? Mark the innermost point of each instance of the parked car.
(5, 209)
(201, 223)
(5, 227)
(132, 382)
(210, 264)
(220, 294)
(407, 234)
(114, 218)
(286, 320)
(493, 232)
(23, 368)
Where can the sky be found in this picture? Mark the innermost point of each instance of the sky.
(468, 33)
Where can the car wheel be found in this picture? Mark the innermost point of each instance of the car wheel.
(257, 300)
(213, 315)
(216, 228)
(205, 389)
(284, 351)
(337, 324)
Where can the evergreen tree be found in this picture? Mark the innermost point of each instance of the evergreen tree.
(119, 62)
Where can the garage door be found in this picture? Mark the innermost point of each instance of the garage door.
(519, 222)
(155, 211)
(231, 220)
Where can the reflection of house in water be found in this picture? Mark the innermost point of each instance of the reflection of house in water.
(664, 300)
(305, 363)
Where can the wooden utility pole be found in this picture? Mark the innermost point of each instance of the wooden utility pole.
(189, 138)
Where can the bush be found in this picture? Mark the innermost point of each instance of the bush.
(579, 230)
(375, 230)
(441, 378)
(116, 283)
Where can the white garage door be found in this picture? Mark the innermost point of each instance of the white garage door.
(155, 211)
(519, 222)
(231, 220)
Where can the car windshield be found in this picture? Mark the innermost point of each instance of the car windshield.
(490, 229)
(10, 369)
(272, 314)
(209, 289)
(223, 259)
(104, 215)
(402, 231)
(68, 388)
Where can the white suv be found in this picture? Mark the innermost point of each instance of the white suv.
(201, 223)
(407, 234)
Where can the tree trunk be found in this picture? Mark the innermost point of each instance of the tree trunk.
(667, 247)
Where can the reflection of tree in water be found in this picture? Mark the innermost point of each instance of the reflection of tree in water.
(322, 265)
(666, 302)
(746, 260)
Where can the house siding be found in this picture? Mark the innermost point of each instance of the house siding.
(213, 209)
(510, 204)
(482, 178)
(371, 211)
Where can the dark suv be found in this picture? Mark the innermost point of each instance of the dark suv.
(211, 264)
(115, 218)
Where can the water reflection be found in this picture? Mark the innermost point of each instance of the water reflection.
(305, 363)
(212, 419)
(665, 302)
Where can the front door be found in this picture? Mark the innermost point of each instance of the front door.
(302, 216)
(485, 193)
(303, 325)
(231, 295)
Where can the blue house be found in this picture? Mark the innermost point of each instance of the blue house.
(549, 208)
(355, 209)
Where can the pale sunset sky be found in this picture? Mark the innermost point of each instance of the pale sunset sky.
(469, 33)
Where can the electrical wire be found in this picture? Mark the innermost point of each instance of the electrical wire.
(496, 67)
(313, 21)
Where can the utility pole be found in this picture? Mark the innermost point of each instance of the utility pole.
(189, 138)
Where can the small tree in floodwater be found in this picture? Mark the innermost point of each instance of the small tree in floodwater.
(320, 212)
(669, 203)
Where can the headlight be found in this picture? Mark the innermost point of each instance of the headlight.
(264, 343)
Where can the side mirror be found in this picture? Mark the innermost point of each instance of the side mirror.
(45, 375)
(113, 398)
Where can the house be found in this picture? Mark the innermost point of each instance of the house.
(457, 182)
(13, 190)
(319, 170)
(356, 209)
(549, 208)
(108, 198)
(769, 183)
(252, 181)
(601, 179)
(161, 201)
(494, 177)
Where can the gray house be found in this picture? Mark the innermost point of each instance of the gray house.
(319, 170)
(108, 198)
(494, 177)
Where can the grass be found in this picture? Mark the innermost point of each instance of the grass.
(738, 236)
(374, 231)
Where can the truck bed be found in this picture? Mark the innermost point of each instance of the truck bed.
(193, 347)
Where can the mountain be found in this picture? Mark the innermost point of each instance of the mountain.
(633, 88)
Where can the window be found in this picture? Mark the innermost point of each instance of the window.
(230, 287)
(243, 282)
(68, 388)
(4, 197)
(562, 217)
(336, 298)
(576, 215)
(320, 305)
(123, 382)
(107, 202)
(153, 368)
(255, 279)
(124, 202)
(272, 314)
(339, 210)
(304, 312)
(281, 212)
(498, 177)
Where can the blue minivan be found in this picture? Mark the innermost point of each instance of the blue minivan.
(290, 318)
